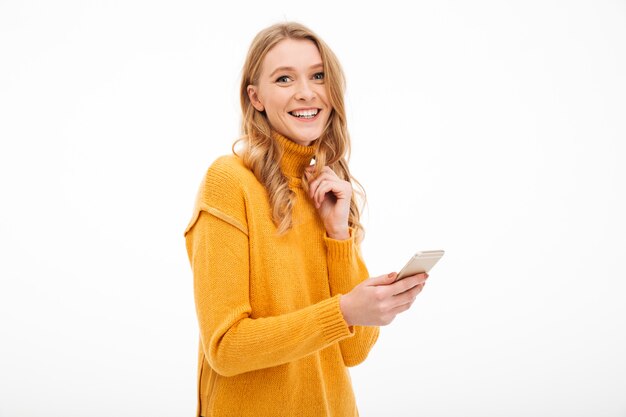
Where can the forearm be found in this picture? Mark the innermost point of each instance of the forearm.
(346, 270)
(355, 349)
(251, 344)
(234, 342)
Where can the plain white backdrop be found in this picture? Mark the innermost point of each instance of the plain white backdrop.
(492, 129)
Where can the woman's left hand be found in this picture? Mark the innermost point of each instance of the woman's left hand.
(331, 196)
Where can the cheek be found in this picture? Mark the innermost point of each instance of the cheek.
(321, 93)
(277, 102)
(275, 112)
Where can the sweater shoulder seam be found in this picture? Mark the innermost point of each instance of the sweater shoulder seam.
(216, 213)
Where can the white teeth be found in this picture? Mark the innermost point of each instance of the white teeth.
(306, 114)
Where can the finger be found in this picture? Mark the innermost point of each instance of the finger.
(327, 175)
(407, 296)
(323, 176)
(419, 287)
(313, 185)
(341, 188)
(329, 170)
(400, 309)
(405, 284)
(421, 277)
(382, 279)
(324, 188)
(315, 196)
(403, 306)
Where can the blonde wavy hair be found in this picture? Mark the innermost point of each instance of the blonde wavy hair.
(260, 152)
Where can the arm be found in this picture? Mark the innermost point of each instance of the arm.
(346, 269)
(232, 341)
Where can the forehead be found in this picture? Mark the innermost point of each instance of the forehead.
(298, 54)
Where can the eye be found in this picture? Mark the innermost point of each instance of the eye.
(283, 79)
(318, 76)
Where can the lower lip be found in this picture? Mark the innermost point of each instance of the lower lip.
(305, 120)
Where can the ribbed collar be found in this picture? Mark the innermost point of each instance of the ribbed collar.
(295, 156)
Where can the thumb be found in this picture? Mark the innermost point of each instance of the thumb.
(383, 279)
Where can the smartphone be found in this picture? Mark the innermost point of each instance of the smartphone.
(422, 261)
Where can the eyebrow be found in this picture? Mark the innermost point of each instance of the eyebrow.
(281, 69)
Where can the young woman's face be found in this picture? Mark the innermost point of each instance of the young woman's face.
(291, 91)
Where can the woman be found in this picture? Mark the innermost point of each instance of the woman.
(281, 294)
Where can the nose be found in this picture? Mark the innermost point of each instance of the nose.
(304, 91)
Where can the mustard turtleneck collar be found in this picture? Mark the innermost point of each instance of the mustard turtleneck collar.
(295, 158)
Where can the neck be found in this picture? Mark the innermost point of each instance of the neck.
(295, 157)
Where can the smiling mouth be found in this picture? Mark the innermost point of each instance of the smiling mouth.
(305, 114)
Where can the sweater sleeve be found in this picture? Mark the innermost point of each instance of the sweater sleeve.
(232, 341)
(346, 269)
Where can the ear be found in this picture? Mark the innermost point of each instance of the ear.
(254, 97)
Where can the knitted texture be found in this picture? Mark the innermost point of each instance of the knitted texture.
(273, 341)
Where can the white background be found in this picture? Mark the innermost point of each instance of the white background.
(492, 129)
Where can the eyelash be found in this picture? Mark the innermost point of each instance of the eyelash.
(321, 76)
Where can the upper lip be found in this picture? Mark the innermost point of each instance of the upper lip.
(305, 109)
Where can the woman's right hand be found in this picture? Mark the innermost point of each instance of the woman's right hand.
(376, 301)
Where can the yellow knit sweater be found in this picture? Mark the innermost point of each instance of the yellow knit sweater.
(273, 341)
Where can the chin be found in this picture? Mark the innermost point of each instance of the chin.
(307, 137)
